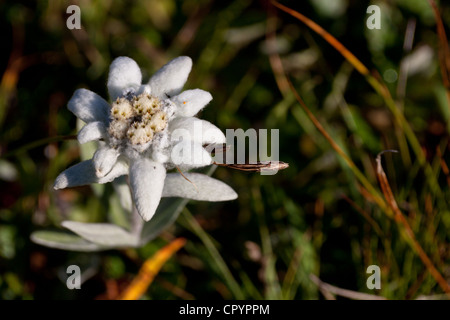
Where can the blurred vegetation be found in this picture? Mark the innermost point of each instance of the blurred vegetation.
(314, 218)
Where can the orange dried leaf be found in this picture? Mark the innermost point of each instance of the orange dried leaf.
(150, 269)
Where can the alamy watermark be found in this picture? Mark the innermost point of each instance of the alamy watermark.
(187, 150)
(374, 20)
(74, 20)
(74, 280)
(374, 281)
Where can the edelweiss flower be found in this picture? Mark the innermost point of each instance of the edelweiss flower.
(148, 129)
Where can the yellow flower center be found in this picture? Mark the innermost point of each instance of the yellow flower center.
(137, 120)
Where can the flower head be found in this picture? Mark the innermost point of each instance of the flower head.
(146, 130)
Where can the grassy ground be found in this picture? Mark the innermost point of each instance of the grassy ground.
(331, 214)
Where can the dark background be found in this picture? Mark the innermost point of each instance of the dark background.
(308, 219)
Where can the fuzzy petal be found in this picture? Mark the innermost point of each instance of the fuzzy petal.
(199, 131)
(122, 190)
(64, 241)
(83, 173)
(119, 169)
(188, 155)
(124, 74)
(104, 159)
(89, 106)
(91, 132)
(103, 234)
(201, 187)
(190, 102)
(147, 182)
(170, 79)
